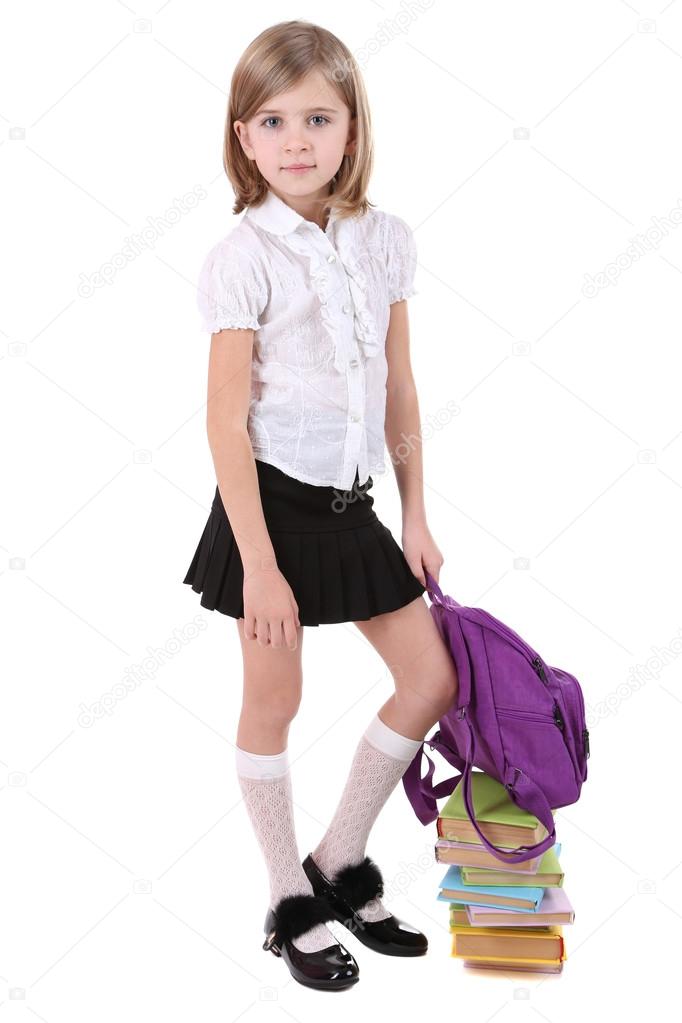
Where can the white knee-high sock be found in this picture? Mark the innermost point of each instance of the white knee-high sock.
(265, 781)
(381, 758)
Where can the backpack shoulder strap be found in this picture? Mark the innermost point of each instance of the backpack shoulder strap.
(421, 792)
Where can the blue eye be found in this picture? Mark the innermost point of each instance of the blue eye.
(264, 124)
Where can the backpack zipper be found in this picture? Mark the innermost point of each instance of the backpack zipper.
(540, 669)
(535, 715)
(572, 684)
(489, 621)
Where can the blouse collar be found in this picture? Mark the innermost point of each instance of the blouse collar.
(275, 216)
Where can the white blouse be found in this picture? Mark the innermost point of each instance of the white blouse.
(318, 302)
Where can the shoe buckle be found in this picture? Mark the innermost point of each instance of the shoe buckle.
(270, 941)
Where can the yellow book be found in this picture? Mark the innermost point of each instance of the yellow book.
(507, 959)
(499, 960)
(532, 943)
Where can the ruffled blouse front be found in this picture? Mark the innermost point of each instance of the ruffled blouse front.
(319, 303)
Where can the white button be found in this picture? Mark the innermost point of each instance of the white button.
(353, 362)
(355, 419)
(346, 308)
(331, 259)
(323, 300)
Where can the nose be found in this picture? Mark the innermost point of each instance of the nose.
(295, 147)
(295, 142)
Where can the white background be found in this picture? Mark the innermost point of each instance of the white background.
(527, 145)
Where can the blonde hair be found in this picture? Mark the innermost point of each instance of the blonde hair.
(275, 61)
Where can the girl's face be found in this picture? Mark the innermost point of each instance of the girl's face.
(309, 126)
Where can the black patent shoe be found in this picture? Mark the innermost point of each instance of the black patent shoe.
(353, 887)
(331, 968)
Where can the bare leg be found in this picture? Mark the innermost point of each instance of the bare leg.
(272, 688)
(426, 684)
(271, 697)
(425, 677)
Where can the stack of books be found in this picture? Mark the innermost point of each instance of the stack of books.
(505, 916)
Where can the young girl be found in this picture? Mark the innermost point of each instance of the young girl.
(309, 377)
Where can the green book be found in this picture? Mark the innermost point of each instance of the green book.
(495, 811)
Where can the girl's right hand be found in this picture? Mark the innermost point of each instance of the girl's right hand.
(270, 608)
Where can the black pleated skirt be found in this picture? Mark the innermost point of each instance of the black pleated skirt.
(342, 563)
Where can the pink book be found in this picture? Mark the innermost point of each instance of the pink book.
(473, 854)
(508, 965)
(555, 908)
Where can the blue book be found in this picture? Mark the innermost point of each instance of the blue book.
(524, 898)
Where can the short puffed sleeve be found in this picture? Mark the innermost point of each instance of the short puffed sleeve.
(401, 258)
(232, 292)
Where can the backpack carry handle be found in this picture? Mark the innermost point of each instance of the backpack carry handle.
(436, 593)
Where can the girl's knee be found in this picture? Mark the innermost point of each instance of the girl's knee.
(278, 708)
(447, 691)
(285, 708)
(439, 689)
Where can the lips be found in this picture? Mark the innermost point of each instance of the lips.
(298, 166)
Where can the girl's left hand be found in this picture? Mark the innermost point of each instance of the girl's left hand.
(421, 551)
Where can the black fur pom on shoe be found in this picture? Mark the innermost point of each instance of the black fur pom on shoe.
(359, 883)
(351, 888)
(296, 914)
(332, 968)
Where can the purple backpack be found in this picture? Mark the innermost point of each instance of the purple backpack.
(516, 717)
